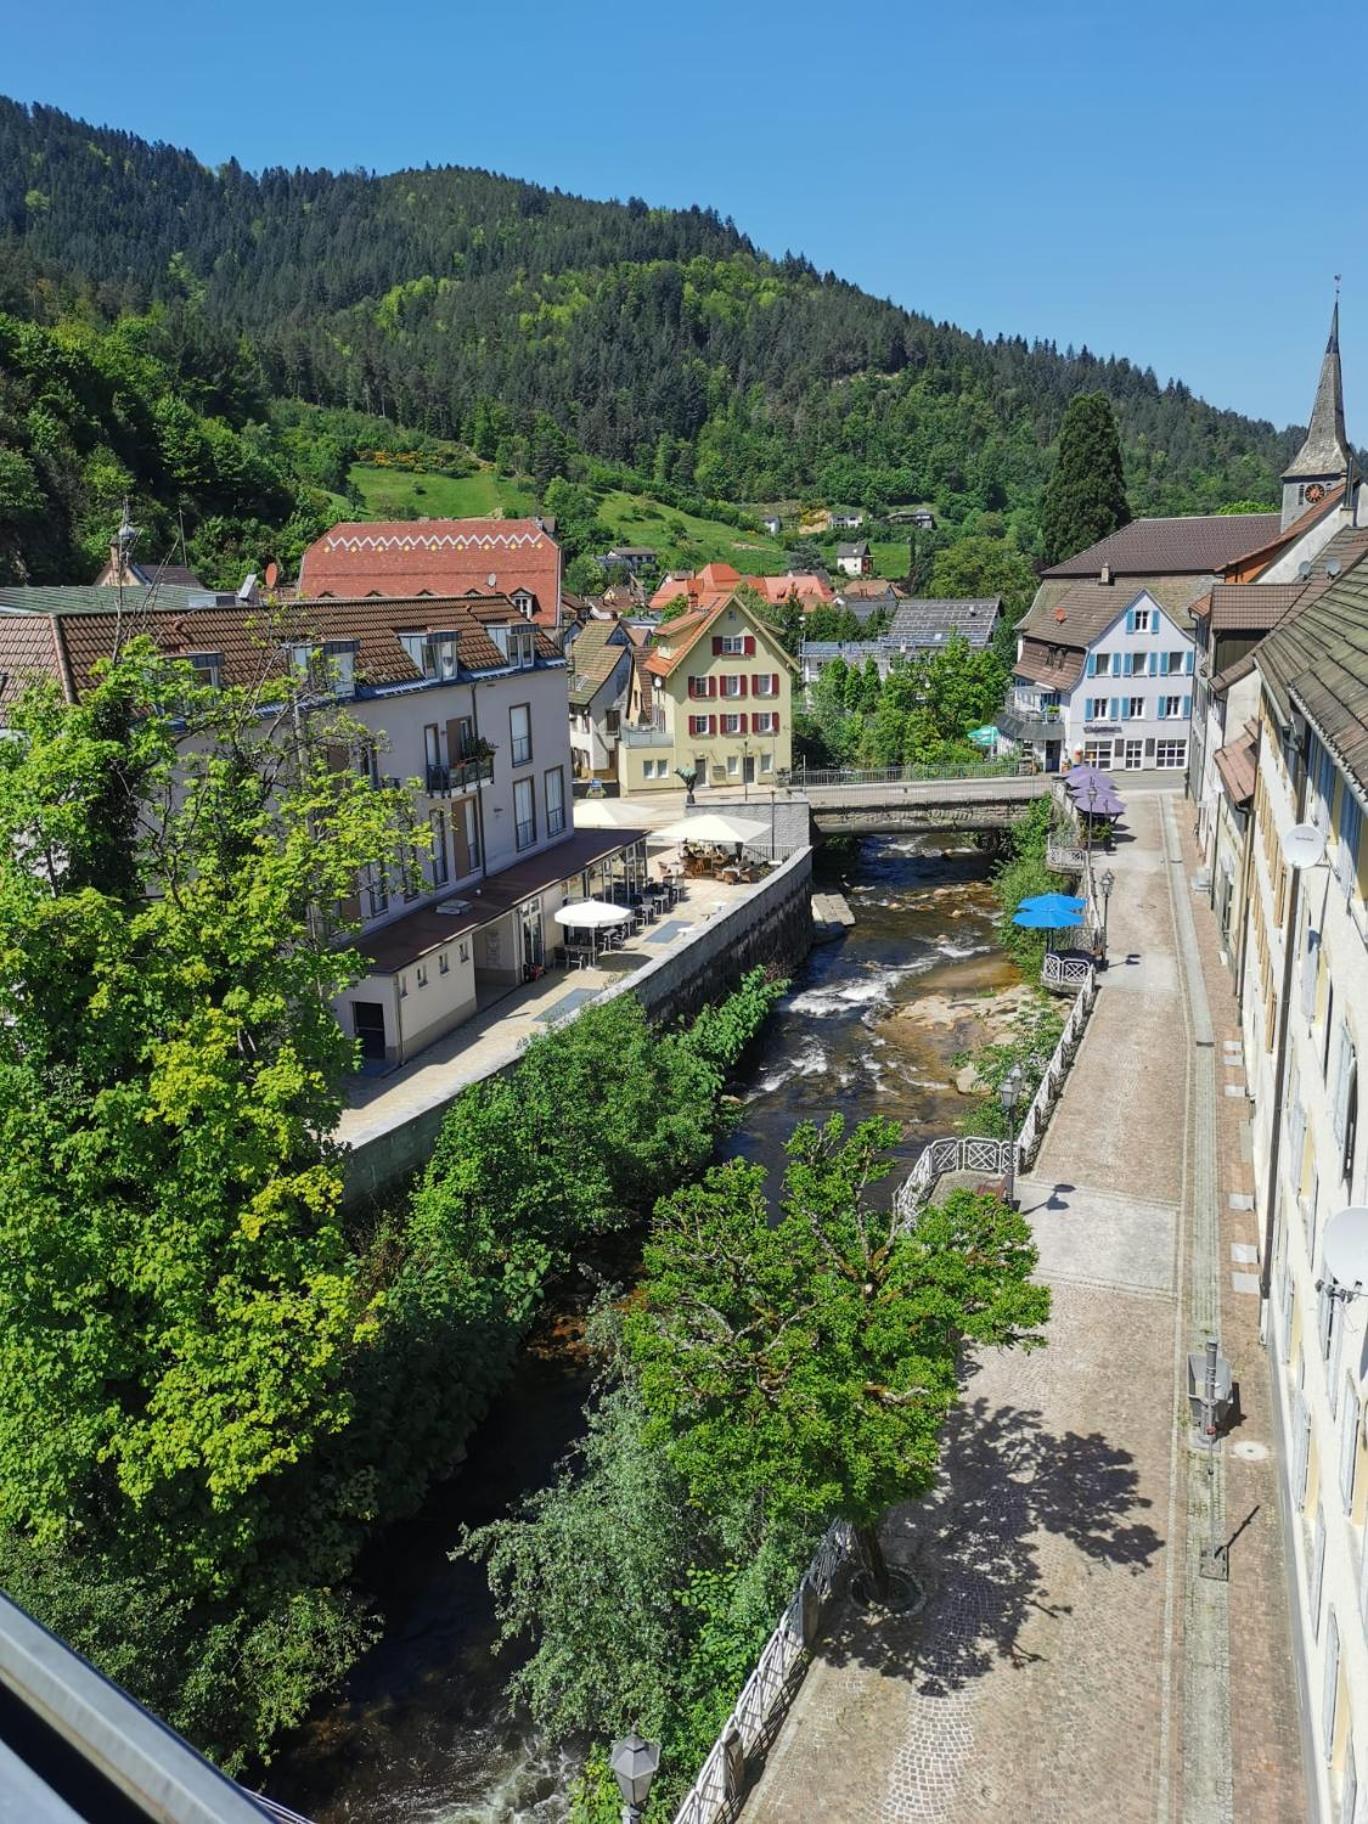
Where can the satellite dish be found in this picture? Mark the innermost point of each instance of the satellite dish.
(1304, 569)
(1346, 1247)
(272, 574)
(1332, 566)
(1303, 846)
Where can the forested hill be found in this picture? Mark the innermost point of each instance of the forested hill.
(464, 304)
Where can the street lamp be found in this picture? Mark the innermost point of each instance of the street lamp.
(634, 1763)
(1105, 885)
(1009, 1094)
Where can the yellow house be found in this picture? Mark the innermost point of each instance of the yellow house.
(713, 695)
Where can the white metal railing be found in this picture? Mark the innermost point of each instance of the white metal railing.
(1037, 1117)
(1063, 970)
(804, 776)
(973, 1153)
(1065, 857)
(721, 1777)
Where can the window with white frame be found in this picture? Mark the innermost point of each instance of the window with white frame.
(731, 725)
(1170, 708)
(733, 766)
(733, 685)
(763, 722)
(733, 644)
(766, 684)
(1135, 708)
(441, 855)
(1170, 754)
(1095, 710)
(421, 972)
(524, 813)
(555, 801)
(1344, 1101)
(767, 762)
(520, 733)
(377, 889)
(444, 962)
(1140, 620)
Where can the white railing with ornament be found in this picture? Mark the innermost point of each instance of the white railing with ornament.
(1062, 970)
(1051, 1086)
(721, 1779)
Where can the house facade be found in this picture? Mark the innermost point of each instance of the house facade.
(1104, 677)
(460, 699)
(1302, 972)
(599, 661)
(715, 699)
(855, 559)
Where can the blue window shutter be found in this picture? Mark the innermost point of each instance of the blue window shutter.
(1115, 715)
(1130, 620)
(1154, 664)
(1092, 664)
(1187, 708)
(1187, 662)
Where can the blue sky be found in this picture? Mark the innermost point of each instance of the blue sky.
(1177, 184)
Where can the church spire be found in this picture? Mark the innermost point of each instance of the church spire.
(1325, 454)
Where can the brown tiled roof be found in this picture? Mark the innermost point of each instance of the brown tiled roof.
(1235, 763)
(28, 654)
(250, 639)
(1197, 542)
(1319, 656)
(597, 651)
(441, 557)
(682, 635)
(1056, 667)
(1174, 594)
(1085, 613)
(1250, 607)
(396, 945)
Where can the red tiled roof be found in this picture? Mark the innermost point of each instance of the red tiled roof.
(434, 557)
(1235, 763)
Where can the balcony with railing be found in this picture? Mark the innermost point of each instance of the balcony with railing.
(1031, 715)
(460, 776)
(645, 734)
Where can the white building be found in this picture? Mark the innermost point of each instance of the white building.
(1303, 979)
(1104, 676)
(460, 696)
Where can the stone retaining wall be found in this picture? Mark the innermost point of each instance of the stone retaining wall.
(773, 925)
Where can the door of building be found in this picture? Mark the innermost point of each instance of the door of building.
(533, 937)
(748, 769)
(1135, 756)
(1052, 756)
(368, 1023)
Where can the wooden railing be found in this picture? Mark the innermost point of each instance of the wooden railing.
(722, 1778)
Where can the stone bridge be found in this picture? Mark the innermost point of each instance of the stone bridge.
(934, 804)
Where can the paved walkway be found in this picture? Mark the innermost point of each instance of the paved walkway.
(1068, 1663)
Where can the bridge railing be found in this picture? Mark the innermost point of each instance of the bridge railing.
(803, 776)
(721, 1779)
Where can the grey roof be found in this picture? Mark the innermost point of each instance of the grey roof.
(99, 598)
(1326, 449)
(860, 548)
(850, 650)
(1319, 656)
(923, 620)
(1195, 542)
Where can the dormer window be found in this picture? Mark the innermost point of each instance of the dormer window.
(443, 661)
(416, 647)
(207, 667)
(339, 656)
(524, 602)
(306, 661)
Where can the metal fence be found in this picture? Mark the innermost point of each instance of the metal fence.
(1063, 970)
(802, 776)
(1066, 857)
(719, 1785)
(1052, 1082)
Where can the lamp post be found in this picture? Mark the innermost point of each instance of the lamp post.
(1105, 885)
(1009, 1093)
(634, 1763)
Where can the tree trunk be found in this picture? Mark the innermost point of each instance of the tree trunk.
(870, 1548)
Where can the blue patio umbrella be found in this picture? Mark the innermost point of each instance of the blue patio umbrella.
(1055, 902)
(1047, 918)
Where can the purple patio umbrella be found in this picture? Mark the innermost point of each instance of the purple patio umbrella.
(1080, 779)
(1102, 803)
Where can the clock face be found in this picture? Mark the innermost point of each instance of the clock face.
(1315, 493)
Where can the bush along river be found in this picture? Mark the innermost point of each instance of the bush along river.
(871, 1025)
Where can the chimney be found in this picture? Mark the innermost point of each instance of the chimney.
(1106, 576)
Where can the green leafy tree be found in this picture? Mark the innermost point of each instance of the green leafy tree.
(812, 1359)
(1085, 497)
(180, 1311)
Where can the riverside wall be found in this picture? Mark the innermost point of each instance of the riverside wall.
(772, 926)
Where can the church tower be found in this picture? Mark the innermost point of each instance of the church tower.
(1324, 460)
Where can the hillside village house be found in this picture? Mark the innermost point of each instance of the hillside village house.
(599, 659)
(460, 696)
(855, 559)
(516, 558)
(1106, 677)
(712, 695)
(1302, 972)
(919, 624)
(716, 583)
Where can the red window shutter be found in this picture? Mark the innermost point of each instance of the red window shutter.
(712, 725)
(745, 686)
(774, 683)
(774, 723)
(717, 644)
(742, 724)
(712, 687)
(750, 645)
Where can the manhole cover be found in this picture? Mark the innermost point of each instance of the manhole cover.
(906, 1595)
(1250, 1450)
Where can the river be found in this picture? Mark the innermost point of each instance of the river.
(870, 1026)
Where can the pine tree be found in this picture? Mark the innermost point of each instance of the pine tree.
(1085, 497)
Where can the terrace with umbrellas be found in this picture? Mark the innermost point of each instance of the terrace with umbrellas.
(1088, 814)
(645, 899)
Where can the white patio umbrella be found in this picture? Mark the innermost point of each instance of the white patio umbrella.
(593, 916)
(609, 814)
(711, 826)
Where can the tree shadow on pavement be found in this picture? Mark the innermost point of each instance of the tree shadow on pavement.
(974, 1547)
